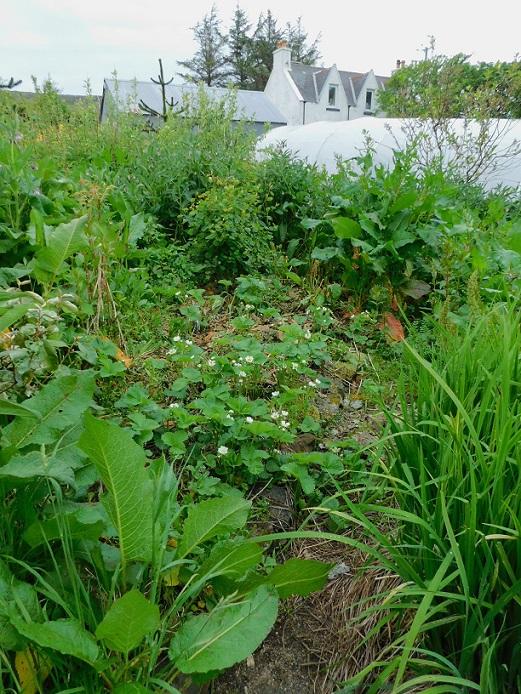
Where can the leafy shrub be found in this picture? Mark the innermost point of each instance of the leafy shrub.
(226, 232)
(110, 569)
(290, 191)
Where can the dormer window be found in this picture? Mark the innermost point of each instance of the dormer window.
(332, 95)
(369, 100)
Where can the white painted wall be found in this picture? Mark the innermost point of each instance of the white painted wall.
(285, 95)
(282, 90)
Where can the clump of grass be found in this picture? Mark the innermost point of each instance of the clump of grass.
(453, 471)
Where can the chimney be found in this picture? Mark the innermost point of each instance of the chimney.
(398, 64)
(402, 64)
(282, 56)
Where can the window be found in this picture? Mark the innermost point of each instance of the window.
(332, 95)
(369, 100)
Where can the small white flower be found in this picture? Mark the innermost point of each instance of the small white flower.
(294, 365)
(174, 404)
(249, 420)
(172, 351)
(312, 384)
(230, 411)
(335, 449)
(249, 307)
(275, 394)
(307, 335)
(229, 416)
(189, 343)
(275, 415)
(222, 450)
(248, 359)
(242, 374)
(321, 445)
(317, 381)
(284, 413)
(211, 362)
(177, 338)
(284, 424)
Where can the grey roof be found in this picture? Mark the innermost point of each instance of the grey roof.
(304, 78)
(251, 105)
(310, 80)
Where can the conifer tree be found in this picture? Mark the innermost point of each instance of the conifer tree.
(210, 63)
(240, 45)
(301, 50)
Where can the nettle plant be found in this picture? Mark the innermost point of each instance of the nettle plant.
(109, 577)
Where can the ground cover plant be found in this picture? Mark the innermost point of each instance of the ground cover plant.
(184, 331)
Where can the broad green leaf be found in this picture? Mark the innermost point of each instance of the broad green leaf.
(416, 289)
(295, 577)
(228, 634)
(37, 464)
(84, 523)
(128, 621)
(136, 228)
(301, 473)
(231, 558)
(14, 597)
(66, 636)
(121, 465)
(326, 254)
(12, 314)
(346, 228)
(134, 688)
(210, 518)
(175, 440)
(16, 410)
(63, 242)
(59, 404)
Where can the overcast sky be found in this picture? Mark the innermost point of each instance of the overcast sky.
(72, 40)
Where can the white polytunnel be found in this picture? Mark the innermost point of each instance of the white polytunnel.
(323, 142)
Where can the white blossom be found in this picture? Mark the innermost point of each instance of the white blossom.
(249, 420)
(275, 394)
(211, 362)
(177, 338)
(248, 359)
(222, 450)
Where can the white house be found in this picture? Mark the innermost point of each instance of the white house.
(307, 93)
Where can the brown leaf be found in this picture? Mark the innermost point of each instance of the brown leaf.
(392, 326)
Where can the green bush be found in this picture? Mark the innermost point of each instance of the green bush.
(226, 232)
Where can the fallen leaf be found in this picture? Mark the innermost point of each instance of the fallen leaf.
(124, 358)
(392, 326)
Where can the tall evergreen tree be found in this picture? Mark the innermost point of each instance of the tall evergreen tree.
(210, 62)
(249, 60)
(265, 38)
(301, 50)
(240, 45)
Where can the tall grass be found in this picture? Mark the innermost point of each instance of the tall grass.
(452, 483)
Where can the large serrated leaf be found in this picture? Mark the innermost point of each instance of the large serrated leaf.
(128, 621)
(64, 241)
(66, 636)
(228, 634)
(210, 518)
(59, 404)
(120, 463)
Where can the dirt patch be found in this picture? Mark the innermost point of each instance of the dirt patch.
(277, 667)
